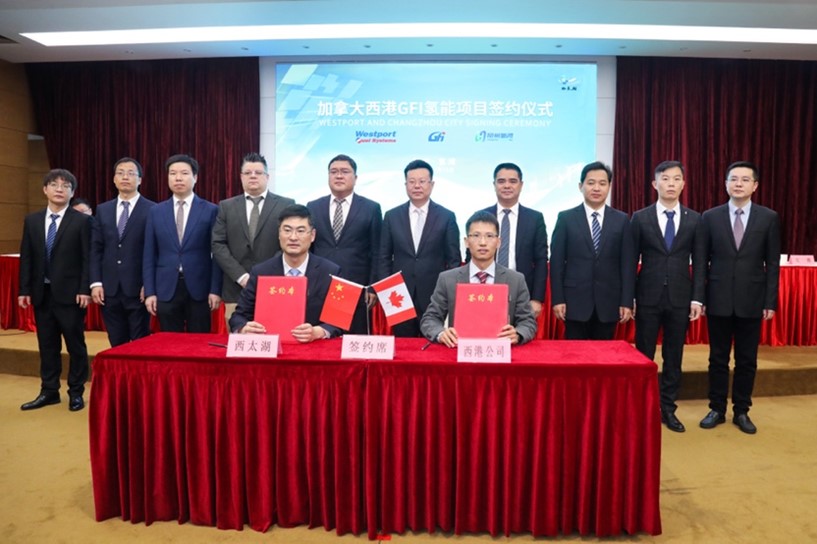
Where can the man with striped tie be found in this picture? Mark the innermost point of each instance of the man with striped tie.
(592, 262)
(54, 262)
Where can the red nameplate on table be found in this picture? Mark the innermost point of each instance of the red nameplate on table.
(481, 309)
(280, 304)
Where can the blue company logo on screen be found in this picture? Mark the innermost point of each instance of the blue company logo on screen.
(485, 136)
(569, 83)
(437, 136)
(375, 137)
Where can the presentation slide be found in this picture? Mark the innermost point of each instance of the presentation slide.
(462, 118)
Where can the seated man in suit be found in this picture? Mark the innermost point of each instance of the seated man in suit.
(482, 240)
(592, 262)
(296, 232)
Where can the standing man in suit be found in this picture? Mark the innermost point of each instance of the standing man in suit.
(482, 240)
(420, 239)
(592, 262)
(117, 245)
(743, 252)
(348, 232)
(182, 280)
(666, 235)
(245, 230)
(54, 262)
(522, 232)
(296, 232)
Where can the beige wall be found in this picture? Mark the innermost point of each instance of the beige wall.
(16, 123)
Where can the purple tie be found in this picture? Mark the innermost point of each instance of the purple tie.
(738, 228)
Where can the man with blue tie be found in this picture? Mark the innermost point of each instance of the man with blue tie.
(182, 280)
(743, 253)
(592, 262)
(117, 246)
(420, 239)
(668, 294)
(54, 263)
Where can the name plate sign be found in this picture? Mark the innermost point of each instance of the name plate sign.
(483, 350)
(262, 346)
(361, 346)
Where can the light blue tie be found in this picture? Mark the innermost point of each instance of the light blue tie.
(294, 272)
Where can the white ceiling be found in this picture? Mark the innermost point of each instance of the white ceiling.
(19, 16)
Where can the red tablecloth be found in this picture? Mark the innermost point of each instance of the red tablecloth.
(14, 317)
(566, 439)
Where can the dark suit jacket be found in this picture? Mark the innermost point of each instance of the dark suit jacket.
(70, 257)
(117, 264)
(356, 249)
(660, 266)
(742, 281)
(164, 254)
(443, 302)
(583, 280)
(439, 250)
(231, 245)
(531, 247)
(318, 278)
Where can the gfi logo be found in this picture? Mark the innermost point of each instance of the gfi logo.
(438, 136)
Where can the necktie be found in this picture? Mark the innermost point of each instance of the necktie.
(180, 220)
(596, 229)
(51, 235)
(738, 228)
(418, 228)
(337, 220)
(504, 238)
(482, 276)
(669, 231)
(123, 218)
(254, 213)
(294, 272)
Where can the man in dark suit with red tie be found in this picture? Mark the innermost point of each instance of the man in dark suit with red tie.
(182, 279)
(743, 253)
(522, 232)
(420, 239)
(592, 262)
(54, 263)
(117, 246)
(668, 294)
(348, 228)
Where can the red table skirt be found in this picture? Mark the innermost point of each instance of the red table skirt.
(566, 439)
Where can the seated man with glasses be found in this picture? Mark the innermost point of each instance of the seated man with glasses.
(296, 232)
(482, 240)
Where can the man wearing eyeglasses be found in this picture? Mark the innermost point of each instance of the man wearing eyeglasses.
(420, 239)
(117, 246)
(244, 234)
(348, 232)
(296, 232)
(54, 263)
(482, 242)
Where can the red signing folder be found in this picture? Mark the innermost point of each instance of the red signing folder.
(481, 309)
(280, 304)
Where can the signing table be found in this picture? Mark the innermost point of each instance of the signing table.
(565, 439)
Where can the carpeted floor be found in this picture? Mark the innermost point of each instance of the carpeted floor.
(717, 486)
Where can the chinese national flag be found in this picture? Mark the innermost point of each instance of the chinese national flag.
(341, 301)
(395, 299)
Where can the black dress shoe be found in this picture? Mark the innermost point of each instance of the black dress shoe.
(76, 403)
(712, 419)
(744, 423)
(43, 399)
(672, 422)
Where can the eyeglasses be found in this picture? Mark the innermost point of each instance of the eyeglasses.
(476, 236)
(742, 180)
(129, 173)
(58, 185)
(300, 232)
(251, 172)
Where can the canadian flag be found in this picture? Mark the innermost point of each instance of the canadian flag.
(395, 299)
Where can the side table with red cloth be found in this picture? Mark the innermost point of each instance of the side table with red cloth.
(567, 438)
